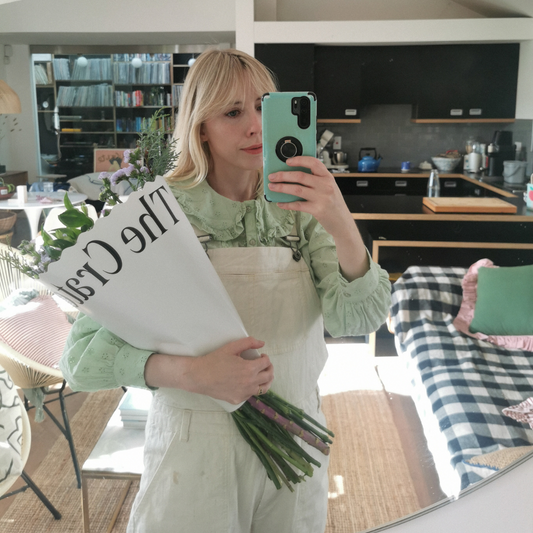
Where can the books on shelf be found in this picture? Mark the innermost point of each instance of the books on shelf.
(134, 408)
(96, 69)
(42, 75)
(156, 96)
(85, 96)
(61, 68)
(176, 94)
(142, 57)
(133, 125)
(147, 73)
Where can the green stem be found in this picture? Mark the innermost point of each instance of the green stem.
(275, 431)
(270, 395)
(272, 470)
(305, 468)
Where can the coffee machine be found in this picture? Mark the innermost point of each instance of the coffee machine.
(499, 150)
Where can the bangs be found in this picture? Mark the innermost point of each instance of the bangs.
(231, 84)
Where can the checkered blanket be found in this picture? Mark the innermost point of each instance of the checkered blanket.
(461, 384)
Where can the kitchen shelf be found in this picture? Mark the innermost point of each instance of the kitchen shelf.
(462, 120)
(339, 121)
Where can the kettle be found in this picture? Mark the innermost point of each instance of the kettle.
(368, 163)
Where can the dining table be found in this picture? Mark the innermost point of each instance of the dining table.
(37, 201)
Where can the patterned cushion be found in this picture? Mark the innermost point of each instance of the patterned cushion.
(10, 429)
(37, 330)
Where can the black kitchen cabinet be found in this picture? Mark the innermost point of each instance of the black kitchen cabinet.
(467, 82)
(337, 75)
(293, 64)
(464, 82)
(390, 75)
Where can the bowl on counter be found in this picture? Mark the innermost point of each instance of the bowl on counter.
(446, 164)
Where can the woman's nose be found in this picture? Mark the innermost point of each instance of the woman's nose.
(255, 126)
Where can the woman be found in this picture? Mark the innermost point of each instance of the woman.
(200, 475)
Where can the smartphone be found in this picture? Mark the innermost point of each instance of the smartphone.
(289, 129)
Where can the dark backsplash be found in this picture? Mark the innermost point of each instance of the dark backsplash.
(389, 129)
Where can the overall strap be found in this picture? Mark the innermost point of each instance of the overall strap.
(203, 237)
(294, 237)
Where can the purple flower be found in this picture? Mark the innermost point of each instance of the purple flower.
(126, 156)
(144, 170)
(103, 175)
(128, 170)
(115, 177)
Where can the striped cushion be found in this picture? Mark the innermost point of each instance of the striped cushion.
(10, 429)
(37, 330)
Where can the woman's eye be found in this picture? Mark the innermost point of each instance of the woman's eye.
(233, 113)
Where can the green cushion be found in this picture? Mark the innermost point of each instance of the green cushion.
(504, 304)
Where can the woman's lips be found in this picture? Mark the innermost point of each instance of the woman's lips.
(254, 150)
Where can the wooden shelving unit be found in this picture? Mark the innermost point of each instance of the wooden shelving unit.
(129, 95)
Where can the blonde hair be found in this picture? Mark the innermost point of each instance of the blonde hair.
(215, 81)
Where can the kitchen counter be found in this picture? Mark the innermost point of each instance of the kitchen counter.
(395, 195)
(400, 231)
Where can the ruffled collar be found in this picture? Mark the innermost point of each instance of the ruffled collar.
(223, 218)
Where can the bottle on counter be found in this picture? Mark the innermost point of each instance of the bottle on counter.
(433, 184)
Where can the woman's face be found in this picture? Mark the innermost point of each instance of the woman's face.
(234, 136)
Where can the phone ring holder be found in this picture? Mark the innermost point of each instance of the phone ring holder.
(288, 147)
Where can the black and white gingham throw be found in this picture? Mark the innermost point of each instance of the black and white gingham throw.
(462, 382)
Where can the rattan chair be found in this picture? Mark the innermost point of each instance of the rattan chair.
(27, 374)
(29, 484)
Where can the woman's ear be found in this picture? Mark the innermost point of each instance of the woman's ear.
(203, 134)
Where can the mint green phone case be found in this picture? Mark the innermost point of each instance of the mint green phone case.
(279, 124)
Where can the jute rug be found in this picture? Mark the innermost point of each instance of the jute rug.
(369, 480)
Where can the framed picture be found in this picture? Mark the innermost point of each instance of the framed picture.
(109, 159)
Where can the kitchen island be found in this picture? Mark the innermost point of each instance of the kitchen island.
(400, 231)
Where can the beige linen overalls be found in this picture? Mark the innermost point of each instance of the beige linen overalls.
(200, 475)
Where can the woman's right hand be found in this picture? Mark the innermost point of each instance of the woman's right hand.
(222, 374)
(225, 375)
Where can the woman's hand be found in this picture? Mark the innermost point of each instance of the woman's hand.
(324, 198)
(325, 202)
(221, 374)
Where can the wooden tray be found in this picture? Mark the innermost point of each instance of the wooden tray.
(468, 205)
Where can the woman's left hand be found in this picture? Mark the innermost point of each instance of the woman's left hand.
(323, 197)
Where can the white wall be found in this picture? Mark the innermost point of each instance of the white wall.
(4, 143)
(524, 97)
(117, 16)
(371, 10)
(22, 144)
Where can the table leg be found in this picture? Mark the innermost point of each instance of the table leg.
(33, 215)
(84, 504)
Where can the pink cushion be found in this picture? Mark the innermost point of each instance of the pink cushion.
(523, 412)
(37, 330)
(466, 313)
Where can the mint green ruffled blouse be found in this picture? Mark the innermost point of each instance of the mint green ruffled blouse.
(95, 359)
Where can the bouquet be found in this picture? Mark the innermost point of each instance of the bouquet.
(95, 267)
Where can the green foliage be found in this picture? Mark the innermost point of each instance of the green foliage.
(155, 155)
